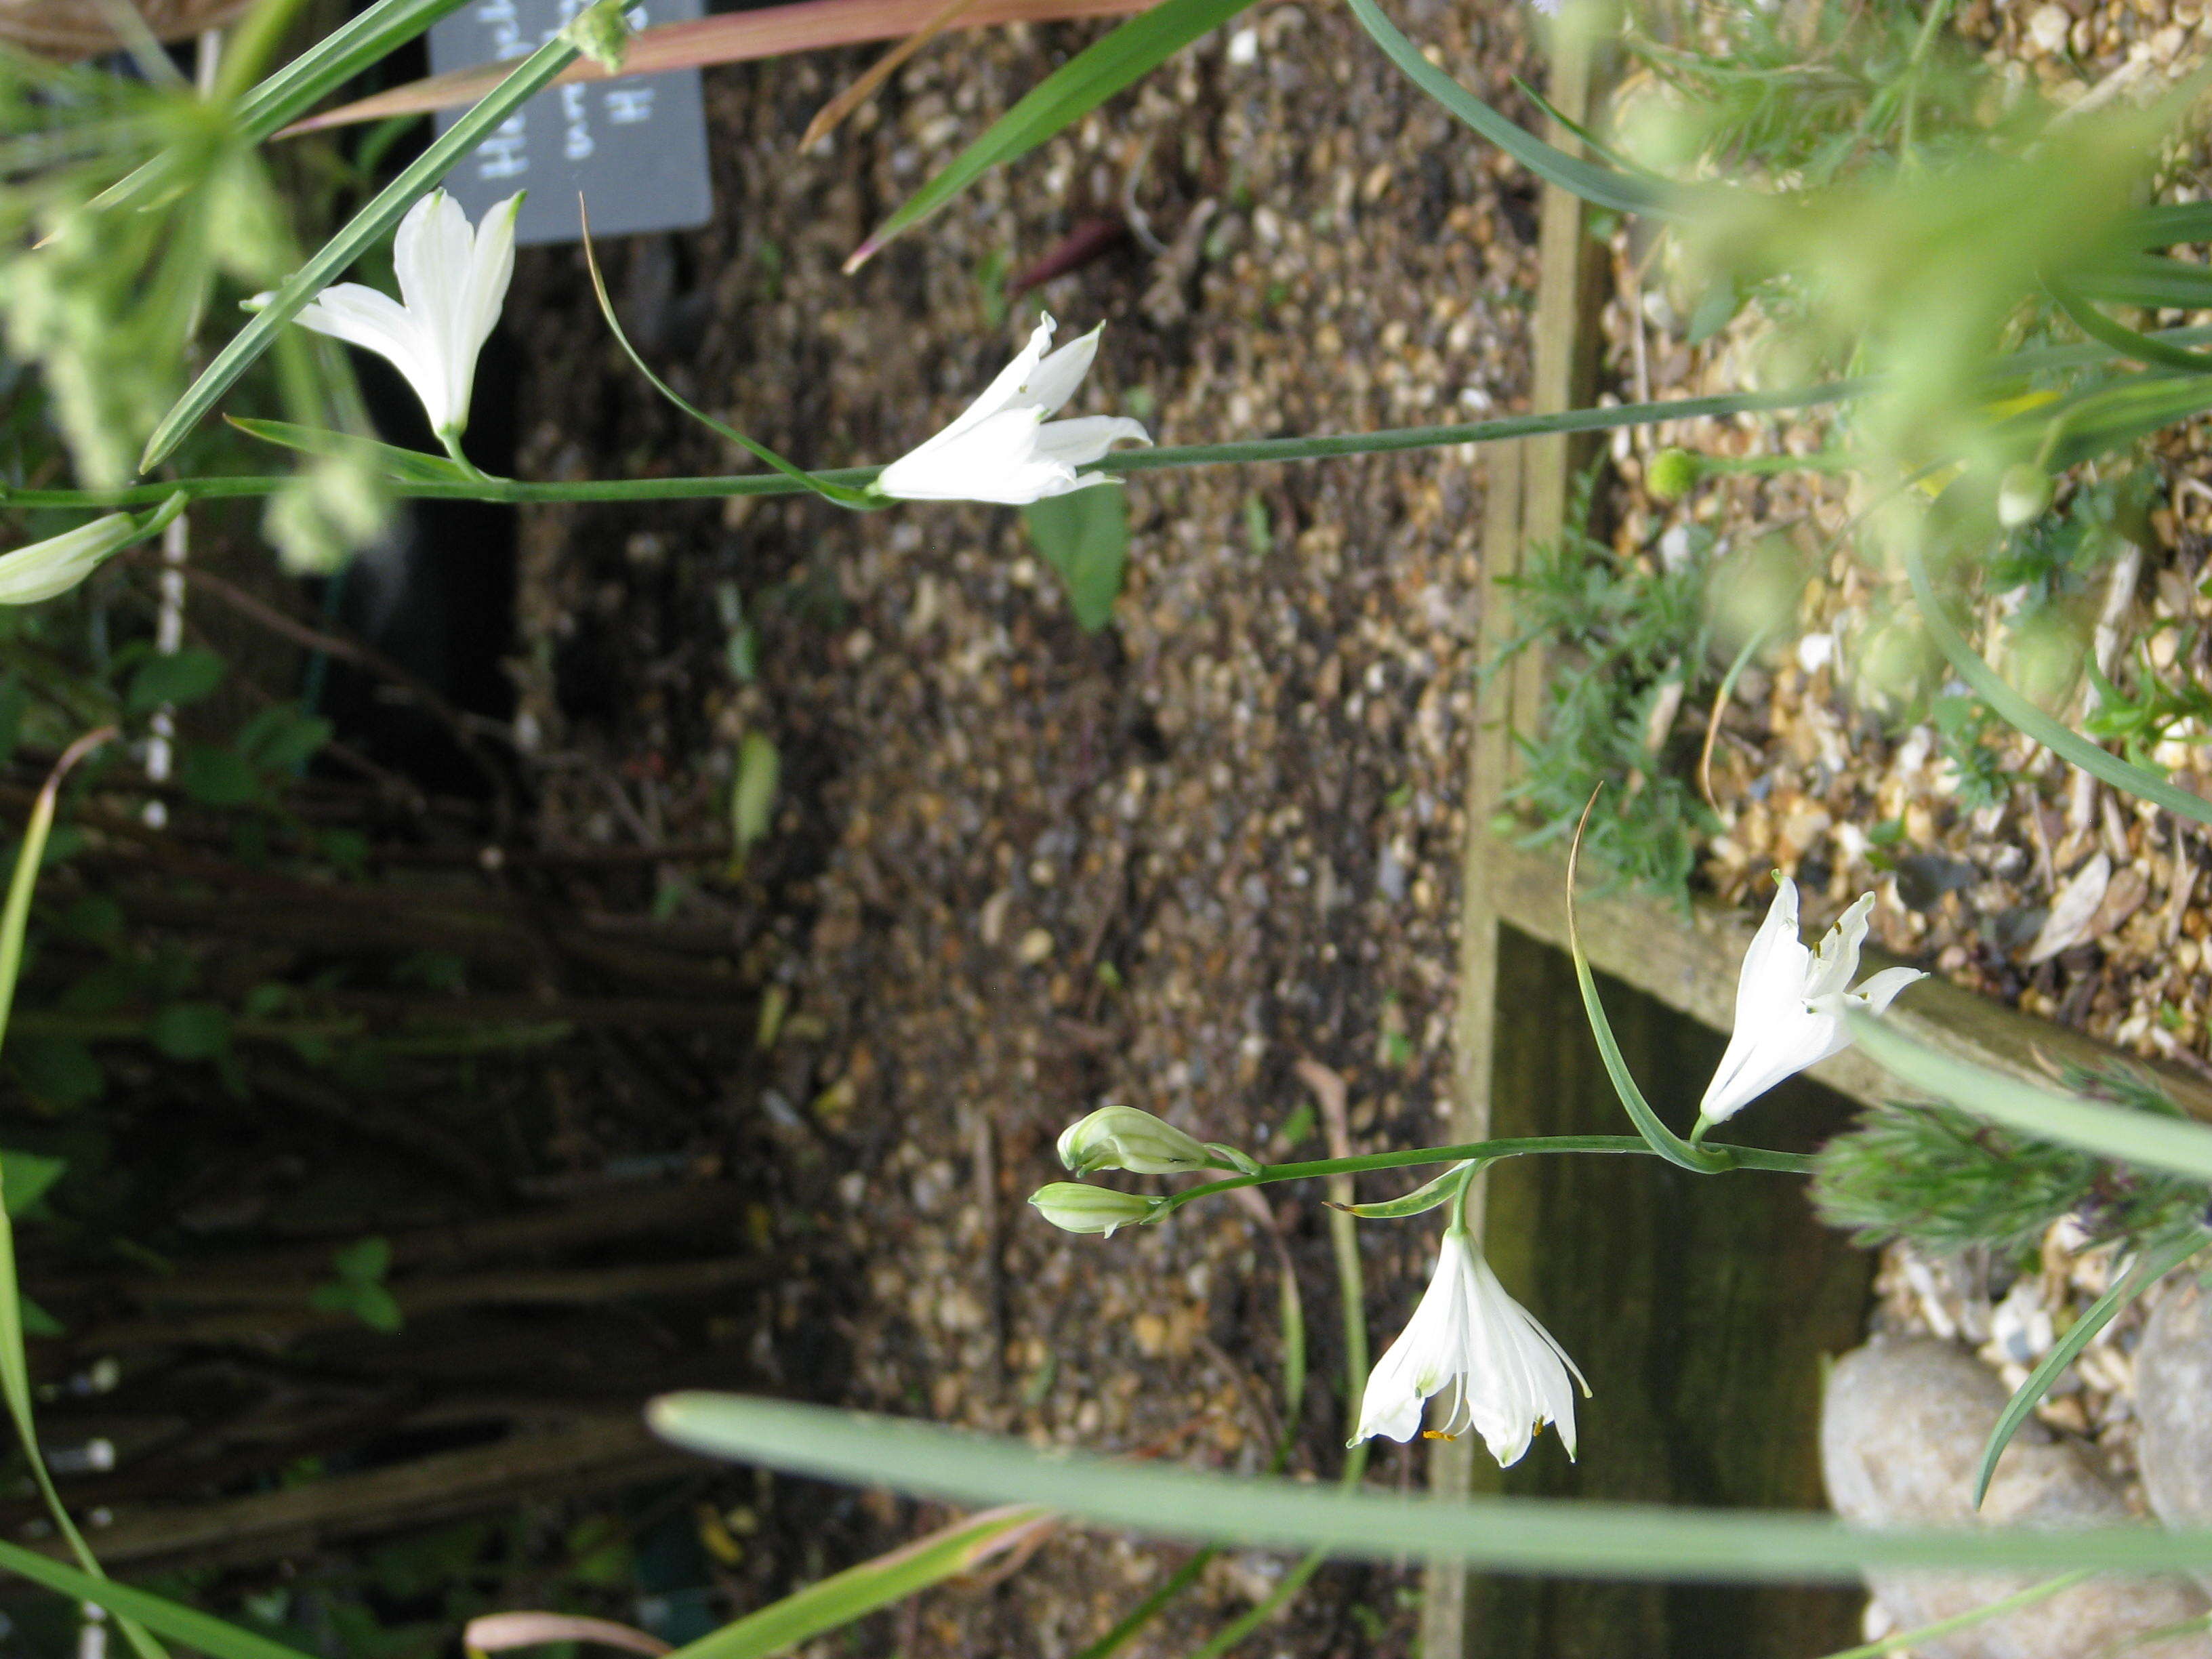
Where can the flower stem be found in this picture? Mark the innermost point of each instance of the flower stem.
(1737, 1157)
(1389, 440)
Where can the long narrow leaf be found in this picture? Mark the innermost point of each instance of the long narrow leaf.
(1581, 1537)
(200, 1631)
(842, 494)
(2015, 709)
(725, 38)
(2147, 279)
(2113, 1131)
(535, 72)
(1662, 1140)
(2145, 1271)
(840, 1599)
(402, 466)
(1067, 94)
(2142, 348)
(14, 1365)
(1920, 1635)
(1603, 187)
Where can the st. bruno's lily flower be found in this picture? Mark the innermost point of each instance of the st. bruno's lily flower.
(1004, 448)
(1124, 1137)
(1511, 1377)
(453, 280)
(1791, 1001)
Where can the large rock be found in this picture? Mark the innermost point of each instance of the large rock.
(2173, 1404)
(1902, 1429)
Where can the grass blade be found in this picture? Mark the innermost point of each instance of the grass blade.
(1582, 1537)
(1068, 94)
(14, 1365)
(842, 494)
(1603, 187)
(401, 465)
(2114, 1132)
(2146, 1271)
(1661, 1138)
(842, 1597)
(1920, 1635)
(202, 1632)
(535, 72)
(2016, 710)
(2139, 348)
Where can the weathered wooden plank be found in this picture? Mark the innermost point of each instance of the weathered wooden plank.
(590, 1455)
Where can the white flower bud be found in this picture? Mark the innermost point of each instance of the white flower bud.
(1123, 1138)
(56, 565)
(2022, 495)
(1074, 1208)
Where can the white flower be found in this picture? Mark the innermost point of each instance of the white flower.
(1003, 448)
(1512, 1377)
(58, 564)
(452, 282)
(1124, 1137)
(1790, 1003)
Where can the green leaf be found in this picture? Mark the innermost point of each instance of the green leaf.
(199, 1630)
(1662, 1140)
(37, 1322)
(842, 494)
(2140, 348)
(752, 795)
(1067, 95)
(217, 777)
(2109, 417)
(844, 1597)
(2147, 279)
(2014, 709)
(14, 1365)
(2147, 1270)
(1084, 536)
(1428, 1196)
(2113, 1132)
(1625, 193)
(190, 1030)
(30, 1175)
(402, 466)
(1578, 1537)
(535, 73)
(364, 1261)
(60, 1072)
(282, 737)
(183, 676)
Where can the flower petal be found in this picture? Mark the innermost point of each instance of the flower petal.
(1837, 958)
(376, 322)
(1085, 439)
(1057, 377)
(1004, 392)
(1878, 992)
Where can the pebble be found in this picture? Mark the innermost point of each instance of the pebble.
(2173, 1380)
(1902, 1428)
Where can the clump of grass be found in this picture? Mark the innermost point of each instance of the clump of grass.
(1941, 1179)
(1631, 642)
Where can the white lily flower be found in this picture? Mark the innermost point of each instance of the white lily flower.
(1511, 1375)
(453, 281)
(1003, 448)
(1790, 1003)
(54, 566)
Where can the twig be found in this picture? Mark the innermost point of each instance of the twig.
(827, 118)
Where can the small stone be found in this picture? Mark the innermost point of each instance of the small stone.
(2174, 1373)
(1035, 945)
(1902, 1429)
(2047, 27)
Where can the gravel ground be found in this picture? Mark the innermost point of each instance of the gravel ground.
(1020, 872)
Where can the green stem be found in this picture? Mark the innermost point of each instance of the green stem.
(1389, 440)
(1728, 1158)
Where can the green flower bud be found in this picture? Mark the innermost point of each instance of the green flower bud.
(56, 565)
(1073, 1207)
(1123, 1138)
(1672, 474)
(2022, 495)
(601, 32)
